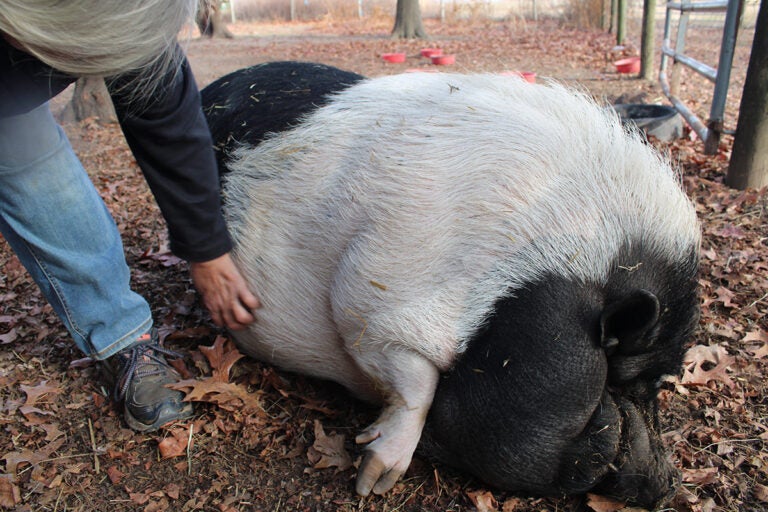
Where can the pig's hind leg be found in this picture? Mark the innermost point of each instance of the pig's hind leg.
(391, 333)
(407, 383)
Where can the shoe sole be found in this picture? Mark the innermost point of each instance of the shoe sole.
(165, 416)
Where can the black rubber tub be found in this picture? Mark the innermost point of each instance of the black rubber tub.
(661, 121)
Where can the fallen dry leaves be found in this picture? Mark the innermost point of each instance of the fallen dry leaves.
(268, 440)
(217, 389)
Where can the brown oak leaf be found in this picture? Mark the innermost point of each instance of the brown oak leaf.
(758, 351)
(34, 458)
(222, 355)
(725, 296)
(8, 337)
(602, 504)
(226, 395)
(328, 450)
(698, 360)
(217, 389)
(756, 335)
(35, 392)
(10, 495)
(483, 501)
(35, 415)
(699, 476)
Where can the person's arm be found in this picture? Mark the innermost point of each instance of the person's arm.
(169, 137)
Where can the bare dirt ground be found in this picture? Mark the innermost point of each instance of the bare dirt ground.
(268, 440)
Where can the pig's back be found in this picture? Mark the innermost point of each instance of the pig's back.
(409, 204)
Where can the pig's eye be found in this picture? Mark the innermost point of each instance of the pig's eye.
(638, 391)
(627, 370)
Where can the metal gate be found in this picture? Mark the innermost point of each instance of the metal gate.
(713, 130)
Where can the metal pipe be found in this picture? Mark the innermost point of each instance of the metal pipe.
(693, 121)
(726, 60)
(677, 67)
(698, 6)
(667, 29)
(701, 68)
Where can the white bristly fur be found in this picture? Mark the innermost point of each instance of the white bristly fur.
(447, 191)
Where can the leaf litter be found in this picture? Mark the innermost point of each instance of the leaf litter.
(263, 439)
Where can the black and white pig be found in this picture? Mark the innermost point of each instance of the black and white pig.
(499, 264)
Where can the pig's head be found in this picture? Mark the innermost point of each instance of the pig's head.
(558, 392)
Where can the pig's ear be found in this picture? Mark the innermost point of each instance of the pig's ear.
(626, 322)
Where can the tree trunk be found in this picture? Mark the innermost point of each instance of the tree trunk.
(90, 99)
(209, 20)
(408, 23)
(648, 39)
(621, 21)
(749, 160)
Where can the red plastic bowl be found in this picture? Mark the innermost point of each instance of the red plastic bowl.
(628, 65)
(443, 60)
(431, 52)
(393, 57)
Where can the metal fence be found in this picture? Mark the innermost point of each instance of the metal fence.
(698, 27)
(674, 56)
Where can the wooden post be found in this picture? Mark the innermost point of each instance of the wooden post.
(647, 43)
(621, 26)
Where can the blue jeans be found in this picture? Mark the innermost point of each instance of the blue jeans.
(59, 227)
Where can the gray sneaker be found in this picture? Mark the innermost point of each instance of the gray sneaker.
(139, 374)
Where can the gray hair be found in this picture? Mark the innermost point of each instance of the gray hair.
(98, 37)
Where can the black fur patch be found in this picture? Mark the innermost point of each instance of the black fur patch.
(536, 401)
(243, 107)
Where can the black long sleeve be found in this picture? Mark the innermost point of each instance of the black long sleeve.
(172, 144)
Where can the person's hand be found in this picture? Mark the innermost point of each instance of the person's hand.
(225, 292)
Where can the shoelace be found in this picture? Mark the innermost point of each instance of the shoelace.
(141, 361)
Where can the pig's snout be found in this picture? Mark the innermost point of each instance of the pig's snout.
(642, 473)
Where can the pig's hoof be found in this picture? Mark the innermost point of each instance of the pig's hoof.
(390, 448)
(374, 475)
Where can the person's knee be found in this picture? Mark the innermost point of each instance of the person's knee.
(26, 138)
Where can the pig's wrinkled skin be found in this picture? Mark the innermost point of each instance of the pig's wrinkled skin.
(496, 259)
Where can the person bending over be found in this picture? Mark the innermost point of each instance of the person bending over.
(50, 212)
